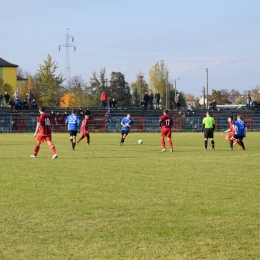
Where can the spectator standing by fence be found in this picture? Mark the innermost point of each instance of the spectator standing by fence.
(1, 99)
(157, 100)
(6, 98)
(24, 104)
(150, 100)
(146, 99)
(254, 104)
(17, 104)
(103, 99)
(16, 95)
(177, 101)
(29, 96)
(11, 104)
(248, 101)
(34, 105)
(114, 104)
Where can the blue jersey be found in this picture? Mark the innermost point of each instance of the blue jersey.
(127, 121)
(73, 122)
(240, 127)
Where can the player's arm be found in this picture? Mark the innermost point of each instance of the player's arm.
(228, 130)
(37, 129)
(245, 131)
(130, 123)
(213, 127)
(203, 127)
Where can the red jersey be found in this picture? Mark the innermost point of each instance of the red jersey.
(84, 126)
(45, 128)
(103, 96)
(166, 121)
(232, 127)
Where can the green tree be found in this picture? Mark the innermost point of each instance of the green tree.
(119, 89)
(255, 93)
(221, 97)
(158, 75)
(76, 87)
(139, 87)
(5, 87)
(197, 102)
(50, 85)
(98, 83)
(136, 97)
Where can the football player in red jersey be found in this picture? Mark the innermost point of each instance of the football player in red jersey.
(232, 131)
(84, 130)
(43, 133)
(166, 123)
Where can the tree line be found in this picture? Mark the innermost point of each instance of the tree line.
(52, 89)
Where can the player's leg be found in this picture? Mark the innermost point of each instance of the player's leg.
(169, 136)
(53, 149)
(162, 141)
(70, 133)
(88, 138)
(80, 138)
(74, 139)
(231, 144)
(170, 144)
(36, 149)
(205, 143)
(124, 134)
(212, 143)
(242, 143)
(206, 139)
(211, 136)
(238, 143)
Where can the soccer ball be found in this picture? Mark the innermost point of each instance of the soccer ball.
(140, 141)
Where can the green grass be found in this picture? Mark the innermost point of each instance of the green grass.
(106, 201)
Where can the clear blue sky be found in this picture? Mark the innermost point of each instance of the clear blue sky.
(132, 35)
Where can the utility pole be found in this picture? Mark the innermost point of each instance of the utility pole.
(175, 89)
(207, 86)
(141, 78)
(167, 92)
(203, 91)
(68, 45)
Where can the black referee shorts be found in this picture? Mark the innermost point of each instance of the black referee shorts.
(208, 133)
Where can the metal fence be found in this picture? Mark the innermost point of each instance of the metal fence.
(181, 123)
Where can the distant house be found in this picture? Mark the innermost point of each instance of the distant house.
(8, 73)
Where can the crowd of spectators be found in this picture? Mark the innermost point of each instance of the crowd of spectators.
(15, 102)
(147, 100)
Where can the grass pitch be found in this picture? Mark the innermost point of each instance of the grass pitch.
(106, 201)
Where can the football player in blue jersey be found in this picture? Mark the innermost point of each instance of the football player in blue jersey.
(240, 131)
(73, 123)
(126, 125)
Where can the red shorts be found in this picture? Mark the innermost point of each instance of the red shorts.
(228, 137)
(41, 138)
(84, 134)
(166, 132)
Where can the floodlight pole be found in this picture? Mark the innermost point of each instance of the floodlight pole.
(207, 85)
